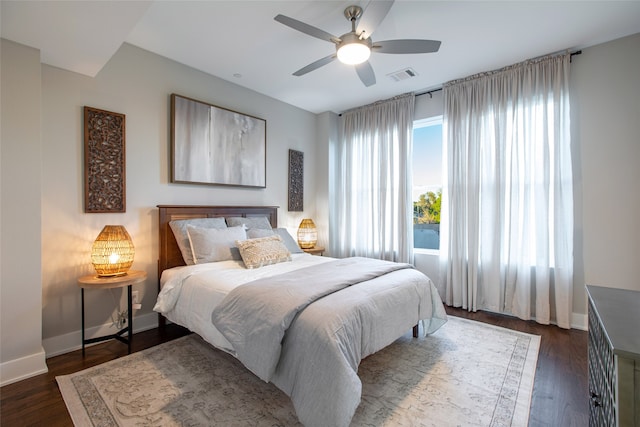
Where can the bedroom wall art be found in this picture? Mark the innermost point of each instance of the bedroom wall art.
(296, 181)
(216, 146)
(104, 161)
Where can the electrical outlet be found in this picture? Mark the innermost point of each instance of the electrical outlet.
(135, 300)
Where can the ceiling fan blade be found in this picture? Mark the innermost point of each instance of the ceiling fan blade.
(372, 16)
(315, 65)
(366, 74)
(406, 46)
(306, 28)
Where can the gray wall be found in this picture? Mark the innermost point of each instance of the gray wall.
(605, 113)
(21, 352)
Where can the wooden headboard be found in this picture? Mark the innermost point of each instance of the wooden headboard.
(170, 255)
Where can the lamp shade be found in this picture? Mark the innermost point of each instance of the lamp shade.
(353, 53)
(352, 49)
(307, 234)
(112, 252)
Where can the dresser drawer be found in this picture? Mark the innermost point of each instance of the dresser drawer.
(614, 357)
(601, 404)
(602, 376)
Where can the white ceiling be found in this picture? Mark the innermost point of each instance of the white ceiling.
(240, 42)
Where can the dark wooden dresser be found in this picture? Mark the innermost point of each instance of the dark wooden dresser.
(614, 357)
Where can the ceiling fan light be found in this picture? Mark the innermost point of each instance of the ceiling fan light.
(353, 53)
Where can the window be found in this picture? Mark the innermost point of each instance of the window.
(427, 182)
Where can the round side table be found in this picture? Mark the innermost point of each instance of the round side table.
(96, 282)
(316, 250)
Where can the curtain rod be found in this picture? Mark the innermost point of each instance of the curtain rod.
(432, 91)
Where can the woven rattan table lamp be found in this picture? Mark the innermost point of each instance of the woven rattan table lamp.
(112, 252)
(307, 234)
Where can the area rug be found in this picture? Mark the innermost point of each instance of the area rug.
(466, 374)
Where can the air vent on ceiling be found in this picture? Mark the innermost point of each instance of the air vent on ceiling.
(405, 74)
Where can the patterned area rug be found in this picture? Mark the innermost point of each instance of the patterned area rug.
(466, 374)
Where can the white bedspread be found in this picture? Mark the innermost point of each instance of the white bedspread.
(190, 293)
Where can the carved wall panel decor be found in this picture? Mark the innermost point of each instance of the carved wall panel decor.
(104, 161)
(296, 181)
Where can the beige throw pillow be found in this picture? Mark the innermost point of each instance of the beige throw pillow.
(263, 251)
(288, 241)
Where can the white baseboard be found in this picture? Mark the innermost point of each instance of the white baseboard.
(579, 321)
(22, 368)
(61, 344)
(29, 366)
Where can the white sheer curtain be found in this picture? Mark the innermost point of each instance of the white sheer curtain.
(372, 215)
(509, 192)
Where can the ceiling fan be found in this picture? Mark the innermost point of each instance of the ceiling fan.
(356, 46)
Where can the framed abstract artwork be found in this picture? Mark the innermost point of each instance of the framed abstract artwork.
(216, 146)
(296, 181)
(104, 161)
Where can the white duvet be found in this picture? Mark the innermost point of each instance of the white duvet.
(190, 293)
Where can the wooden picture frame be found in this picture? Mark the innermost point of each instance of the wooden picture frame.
(104, 161)
(296, 181)
(216, 146)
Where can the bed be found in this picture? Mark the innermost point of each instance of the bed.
(309, 344)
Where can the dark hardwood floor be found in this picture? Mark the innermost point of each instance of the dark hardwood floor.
(560, 393)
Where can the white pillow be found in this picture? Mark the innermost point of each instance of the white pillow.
(261, 222)
(288, 241)
(212, 245)
(263, 251)
(179, 228)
